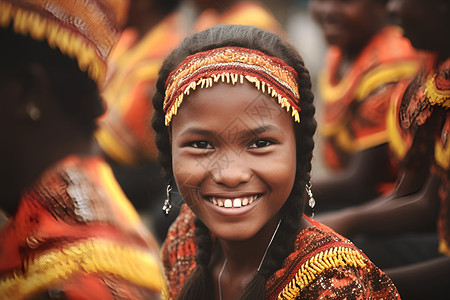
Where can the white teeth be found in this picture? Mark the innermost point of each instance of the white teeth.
(233, 202)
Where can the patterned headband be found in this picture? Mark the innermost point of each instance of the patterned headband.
(231, 65)
(82, 29)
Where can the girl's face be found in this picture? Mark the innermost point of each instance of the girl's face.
(234, 158)
(347, 23)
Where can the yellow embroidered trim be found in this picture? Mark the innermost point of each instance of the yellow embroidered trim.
(385, 74)
(231, 78)
(369, 82)
(231, 65)
(71, 44)
(126, 209)
(116, 150)
(436, 96)
(442, 155)
(92, 256)
(331, 258)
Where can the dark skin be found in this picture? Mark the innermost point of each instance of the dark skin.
(415, 203)
(260, 166)
(349, 25)
(30, 146)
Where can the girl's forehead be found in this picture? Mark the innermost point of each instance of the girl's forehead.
(226, 108)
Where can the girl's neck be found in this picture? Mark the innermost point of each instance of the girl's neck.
(246, 255)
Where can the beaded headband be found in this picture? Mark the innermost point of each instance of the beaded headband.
(231, 65)
(82, 29)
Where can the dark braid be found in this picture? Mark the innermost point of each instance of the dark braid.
(291, 213)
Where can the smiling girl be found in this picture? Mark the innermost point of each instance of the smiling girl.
(234, 122)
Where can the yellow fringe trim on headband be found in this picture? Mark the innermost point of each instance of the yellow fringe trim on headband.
(331, 258)
(233, 79)
(435, 96)
(92, 256)
(71, 44)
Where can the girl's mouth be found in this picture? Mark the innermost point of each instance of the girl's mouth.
(233, 202)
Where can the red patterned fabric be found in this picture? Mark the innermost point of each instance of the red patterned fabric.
(343, 280)
(76, 234)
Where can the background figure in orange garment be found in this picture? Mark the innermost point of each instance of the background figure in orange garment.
(71, 233)
(365, 60)
(419, 124)
(125, 134)
(153, 29)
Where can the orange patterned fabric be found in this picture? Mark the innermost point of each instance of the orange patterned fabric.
(419, 126)
(356, 105)
(323, 264)
(76, 234)
(86, 30)
(125, 132)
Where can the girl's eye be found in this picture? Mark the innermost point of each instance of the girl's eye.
(260, 144)
(202, 145)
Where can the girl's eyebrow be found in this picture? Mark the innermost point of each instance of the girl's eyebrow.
(251, 133)
(246, 133)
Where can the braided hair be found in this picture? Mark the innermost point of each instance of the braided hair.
(199, 285)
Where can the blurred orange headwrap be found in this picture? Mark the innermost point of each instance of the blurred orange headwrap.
(82, 29)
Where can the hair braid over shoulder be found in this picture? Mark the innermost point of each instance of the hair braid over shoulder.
(291, 213)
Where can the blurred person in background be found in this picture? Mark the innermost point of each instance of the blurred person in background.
(366, 58)
(419, 126)
(152, 30)
(69, 231)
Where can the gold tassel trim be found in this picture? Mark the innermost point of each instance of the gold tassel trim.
(92, 256)
(232, 65)
(71, 44)
(436, 96)
(233, 79)
(331, 258)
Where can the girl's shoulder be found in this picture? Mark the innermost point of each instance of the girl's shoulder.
(325, 264)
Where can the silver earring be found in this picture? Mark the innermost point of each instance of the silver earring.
(167, 203)
(311, 201)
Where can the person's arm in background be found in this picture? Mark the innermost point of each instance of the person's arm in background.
(389, 215)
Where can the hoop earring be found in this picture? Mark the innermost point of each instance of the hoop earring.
(311, 201)
(168, 202)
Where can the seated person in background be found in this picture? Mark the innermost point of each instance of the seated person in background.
(366, 59)
(419, 123)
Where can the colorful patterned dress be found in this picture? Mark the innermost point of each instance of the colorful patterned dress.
(355, 106)
(419, 126)
(324, 265)
(76, 236)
